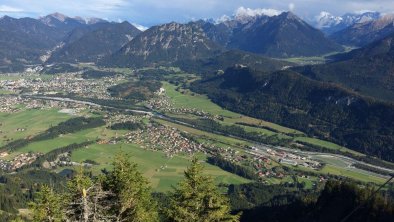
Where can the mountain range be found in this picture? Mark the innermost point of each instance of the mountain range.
(57, 38)
(283, 35)
(361, 34)
(329, 23)
(368, 70)
(165, 44)
(98, 41)
(242, 64)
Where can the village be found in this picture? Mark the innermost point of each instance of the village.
(62, 83)
(152, 136)
(163, 138)
(18, 161)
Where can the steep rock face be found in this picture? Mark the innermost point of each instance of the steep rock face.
(165, 44)
(361, 34)
(95, 42)
(284, 35)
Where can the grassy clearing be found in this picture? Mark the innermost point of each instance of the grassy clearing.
(351, 173)
(258, 122)
(197, 101)
(161, 171)
(64, 140)
(326, 144)
(33, 121)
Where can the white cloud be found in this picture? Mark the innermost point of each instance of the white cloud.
(9, 9)
(140, 27)
(291, 7)
(363, 11)
(248, 12)
(223, 18)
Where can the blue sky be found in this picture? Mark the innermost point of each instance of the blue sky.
(151, 12)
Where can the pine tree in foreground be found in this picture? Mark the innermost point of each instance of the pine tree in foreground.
(197, 199)
(48, 206)
(86, 199)
(122, 194)
(132, 199)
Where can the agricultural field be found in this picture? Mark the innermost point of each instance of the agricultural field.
(29, 122)
(160, 170)
(326, 144)
(193, 100)
(46, 146)
(343, 171)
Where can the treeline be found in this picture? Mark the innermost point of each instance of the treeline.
(52, 155)
(140, 90)
(268, 128)
(128, 125)
(252, 195)
(60, 68)
(235, 131)
(338, 199)
(97, 74)
(17, 189)
(372, 169)
(234, 168)
(319, 109)
(115, 104)
(69, 126)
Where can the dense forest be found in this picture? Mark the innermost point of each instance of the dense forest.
(127, 126)
(319, 109)
(137, 91)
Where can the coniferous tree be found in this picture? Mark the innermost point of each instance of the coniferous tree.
(197, 199)
(86, 199)
(48, 206)
(132, 200)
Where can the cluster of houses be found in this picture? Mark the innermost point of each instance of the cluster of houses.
(164, 138)
(70, 83)
(18, 161)
(63, 160)
(9, 104)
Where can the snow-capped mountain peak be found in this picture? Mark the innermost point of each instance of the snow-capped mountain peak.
(326, 19)
(329, 23)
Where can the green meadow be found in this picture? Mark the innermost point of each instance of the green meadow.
(33, 121)
(162, 172)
